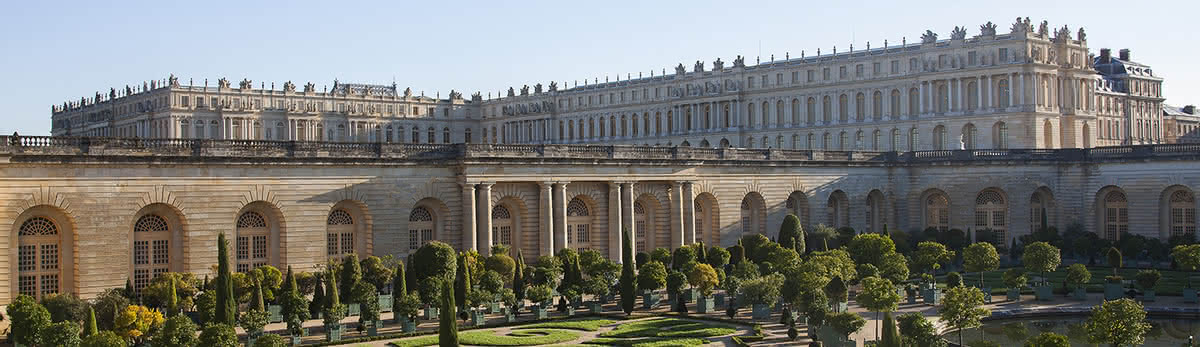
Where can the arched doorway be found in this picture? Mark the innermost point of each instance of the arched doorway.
(875, 212)
(707, 216)
(936, 210)
(837, 209)
(579, 225)
(44, 253)
(1114, 213)
(797, 204)
(421, 225)
(157, 243)
(991, 213)
(1041, 208)
(754, 214)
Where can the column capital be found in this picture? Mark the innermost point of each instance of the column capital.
(546, 185)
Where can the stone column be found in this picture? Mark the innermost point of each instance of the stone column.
(469, 216)
(689, 214)
(962, 90)
(979, 91)
(560, 216)
(676, 220)
(991, 94)
(546, 209)
(484, 217)
(627, 213)
(614, 222)
(1021, 88)
(1012, 94)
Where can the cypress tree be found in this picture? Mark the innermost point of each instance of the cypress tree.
(129, 292)
(737, 253)
(332, 299)
(519, 277)
(90, 329)
(399, 285)
(411, 275)
(891, 335)
(226, 303)
(462, 282)
(256, 302)
(701, 252)
(205, 285)
(318, 300)
(350, 274)
(172, 301)
(447, 326)
(787, 230)
(628, 283)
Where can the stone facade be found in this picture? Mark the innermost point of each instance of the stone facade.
(100, 210)
(1025, 87)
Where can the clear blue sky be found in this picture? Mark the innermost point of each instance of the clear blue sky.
(56, 51)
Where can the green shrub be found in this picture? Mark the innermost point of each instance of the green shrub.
(270, 340)
(1147, 279)
(61, 334)
(29, 319)
(105, 339)
(953, 279)
(652, 276)
(177, 331)
(218, 335)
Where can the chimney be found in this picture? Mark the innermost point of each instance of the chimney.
(1124, 54)
(1105, 56)
(1189, 109)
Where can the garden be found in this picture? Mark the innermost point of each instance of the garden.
(815, 286)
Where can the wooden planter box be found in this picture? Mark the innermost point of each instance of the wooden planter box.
(276, 313)
(761, 311)
(1079, 294)
(650, 300)
(1014, 294)
(704, 304)
(1114, 291)
(1044, 292)
(385, 303)
(1148, 295)
(333, 333)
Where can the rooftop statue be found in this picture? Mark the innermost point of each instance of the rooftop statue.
(1062, 35)
(537, 88)
(476, 97)
(959, 33)
(245, 84)
(173, 81)
(525, 90)
(408, 92)
(1021, 26)
(718, 65)
(112, 93)
(1081, 35)
(679, 70)
(222, 83)
(988, 29)
(289, 87)
(739, 61)
(510, 92)
(1044, 29)
(699, 66)
(929, 37)
(553, 86)
(310, 87)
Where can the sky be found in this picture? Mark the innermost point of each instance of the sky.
(54, 51)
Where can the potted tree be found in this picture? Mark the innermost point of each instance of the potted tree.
(406, 309)
(761, 293)
(981, 257)
(930, 256)
(540, 295)
(481, 299)
(838, 294)
(1188, 259)
(1147, 280)
(704, 278)
(836, 332)
(333, 311)
(675, 282)
(430, 291)
(1077, 277)
(1015, 279)
(1041, 257)
(910, 291)
(509, 297)
(650, 278)
(369, 311)
(1114, 286)
(598, 288)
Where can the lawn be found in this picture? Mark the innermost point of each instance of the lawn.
(589, 324)
(523, 337)
(662, 332)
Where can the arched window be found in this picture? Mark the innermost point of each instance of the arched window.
(420, 227)
(779, 121)
(466, 136)
(876, 140)
(843, 109)
(600, 131)
(875, 214)
(914, 102)
(826, 142)
(38, 258)
(750, 114)
(1047, 134)
(1000, 135)
(639, 225)
(943, 98)
(895, 140)
(1182, 205)
(253, 240)
(1087, 136)
(151, 249)
(579, 222)
(795, 112)
(970, 136)
(431, 134)
(445, 135)
(843, 138)
(811, 142)
(877, 106)
(1041, 209)
(858, 140)
(991, 213)
(671, 122)
(797, 204)
(836, 210)
(937, 211)
(339, 234)
(895, 104)
(766, 112)
(1002, 93)
(1116, 215)
(811, 111)
(939, 137)
(502, 226)
(826, 110)
(972, 96)
(860, 107)
(913, 137)
(634, 119)
(698, 220)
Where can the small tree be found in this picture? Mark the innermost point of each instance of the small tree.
(462, 282)
(1188, 259)
(953, 279)
(136, 323)
(349, 274)
(270, 340)
(836, 290)
(764, 290)
(845, 323)
(1048, 339)
(675, 282)
(64, 334)
(1119, 322)
(1148, 279)
(628, 282)
(652, 276)
(218, 335)
(823, 234)
(963, 309)
(682, 256)
(704, 278)
(870, 248)
(737, 253)
(1041, 257)
(176, 331)
(931, 255)
(519, 282)
(1014, 278)
(661, 254)
(376, 272)
(791, 233)
(90, 328)
(104, 339)
(916, 330)
(717, 257)
(1078, 275)
(540, 294)
(981, 257)
(447, 326)
(368, 300)
(878, 295)
(333, 310)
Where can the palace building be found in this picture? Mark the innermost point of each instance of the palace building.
(997, 132)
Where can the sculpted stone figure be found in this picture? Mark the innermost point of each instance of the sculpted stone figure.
(959, 33)
(173, 81)
(537, 88)
(222, 83)
(928, 37)
(1062, 35)
(739, 61)
(510, 92)
(112, 93)
(245, 84)
(718, 65)
(310, 87)
(289, 87)
(988, 29)
(525, 90)
(1081, 35)
(553, 86)
(699, 66)
(1044, 29)
(679, 70)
